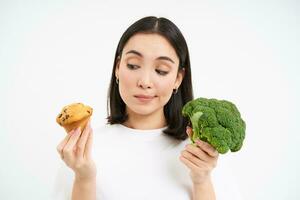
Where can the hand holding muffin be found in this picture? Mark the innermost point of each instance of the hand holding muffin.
(75, 148)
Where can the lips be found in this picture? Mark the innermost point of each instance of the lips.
(144, 96)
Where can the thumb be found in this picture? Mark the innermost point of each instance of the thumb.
(189, 131)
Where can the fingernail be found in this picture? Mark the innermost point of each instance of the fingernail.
(199, 141)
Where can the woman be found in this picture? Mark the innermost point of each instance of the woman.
(143, 152)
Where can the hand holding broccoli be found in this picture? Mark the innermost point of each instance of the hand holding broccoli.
(201, 159)
(217, 122)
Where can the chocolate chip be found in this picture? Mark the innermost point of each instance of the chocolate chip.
(65, 110)
(67, 116)
(63, 119)
(88, 111)
(60, 115)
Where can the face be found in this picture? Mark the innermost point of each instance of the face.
(148, 68)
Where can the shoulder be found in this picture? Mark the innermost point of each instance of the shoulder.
(99, 127)
(105, 132)
(103, 128)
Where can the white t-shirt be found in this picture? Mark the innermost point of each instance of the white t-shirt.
(137, 164)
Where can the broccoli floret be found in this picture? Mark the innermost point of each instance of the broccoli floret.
(217, 122)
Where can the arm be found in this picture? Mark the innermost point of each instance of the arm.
(204, 191)
(84, 189)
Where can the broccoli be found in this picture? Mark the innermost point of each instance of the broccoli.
(217, 122)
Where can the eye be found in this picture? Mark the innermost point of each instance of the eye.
(160, 72)
(130, 66)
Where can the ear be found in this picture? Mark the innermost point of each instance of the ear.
(179, 78)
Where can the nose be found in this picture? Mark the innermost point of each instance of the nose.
(145, 81)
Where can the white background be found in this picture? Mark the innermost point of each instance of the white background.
(57, 52)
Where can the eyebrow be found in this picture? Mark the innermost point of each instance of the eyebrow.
(158, 58)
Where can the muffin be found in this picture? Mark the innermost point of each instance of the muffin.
(74, 115)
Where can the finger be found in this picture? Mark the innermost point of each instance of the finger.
(62, 144)
(198, 152)
(188, 163)
(195, 160)
(207, 148)
(68, 149)
(189, 131)
(83, 139)
(88, 146)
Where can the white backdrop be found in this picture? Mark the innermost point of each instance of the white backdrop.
(53, 53)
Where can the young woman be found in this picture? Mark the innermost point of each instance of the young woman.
(143, 152)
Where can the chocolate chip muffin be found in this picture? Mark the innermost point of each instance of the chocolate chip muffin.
(74, 115)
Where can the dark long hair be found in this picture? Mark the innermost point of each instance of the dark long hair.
(116, 107)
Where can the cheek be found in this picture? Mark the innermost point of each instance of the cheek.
(164, 87)
(128, 79)
(128, 82)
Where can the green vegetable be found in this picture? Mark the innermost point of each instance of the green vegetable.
(217, 122)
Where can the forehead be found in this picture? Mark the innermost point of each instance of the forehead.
(150, 45)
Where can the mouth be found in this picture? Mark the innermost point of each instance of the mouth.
(144, 98)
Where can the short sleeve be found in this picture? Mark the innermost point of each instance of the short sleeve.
(63, 183)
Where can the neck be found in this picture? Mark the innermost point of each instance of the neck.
(154, 120)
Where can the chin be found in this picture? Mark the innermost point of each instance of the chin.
(143, 110)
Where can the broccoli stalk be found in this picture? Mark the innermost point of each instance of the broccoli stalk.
(196, 129)
(217, 122)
